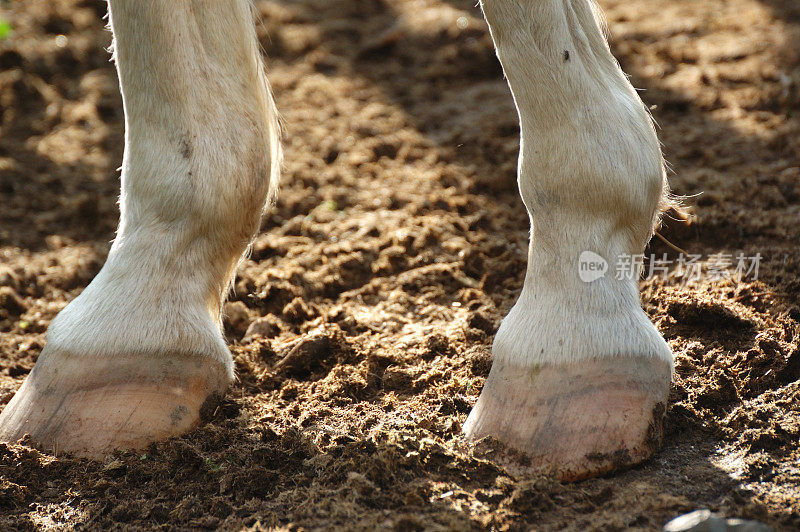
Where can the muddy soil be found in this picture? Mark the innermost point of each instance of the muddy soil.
(396, 245)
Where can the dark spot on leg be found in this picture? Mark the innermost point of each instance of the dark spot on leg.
(618, 459)
(655, 431)
(186, 148)
(178, 413)
(566, 55)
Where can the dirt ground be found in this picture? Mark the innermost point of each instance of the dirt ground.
(396, 245)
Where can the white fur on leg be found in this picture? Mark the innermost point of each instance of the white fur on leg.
(138, 355)
(592, 178)
(201, 155)
(580, 376)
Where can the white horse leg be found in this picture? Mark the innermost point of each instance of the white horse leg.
(136, 355)
(580, 376)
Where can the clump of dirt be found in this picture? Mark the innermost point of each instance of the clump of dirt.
(361, 324)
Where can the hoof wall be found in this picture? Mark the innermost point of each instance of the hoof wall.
(576, 420)
(89, 408)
